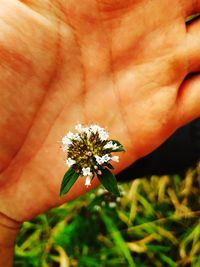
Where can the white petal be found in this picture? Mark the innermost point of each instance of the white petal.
(103, 135)
(95, 128)
(106, 158)
(76, 137)
(70, 135)
(88, 181)
(99, 159)
(70, 162)
(79, 128)
(103, 159)
(115, 158)
(87, 131)
(86, 171)
(111, 145)
(108, 145)
(66, 141)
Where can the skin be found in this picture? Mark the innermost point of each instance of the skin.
(121, 64)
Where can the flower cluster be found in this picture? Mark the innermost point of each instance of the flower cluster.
(89, 151)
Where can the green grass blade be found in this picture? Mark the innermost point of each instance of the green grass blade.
(118, 239)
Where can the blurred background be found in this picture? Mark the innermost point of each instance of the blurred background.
(155, 222)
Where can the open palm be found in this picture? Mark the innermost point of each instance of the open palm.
(121, 64)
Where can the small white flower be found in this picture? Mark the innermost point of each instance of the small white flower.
(103, 135)
(87, 131)
(70, 162)
(66, 141)
(81, 147)
(88, 180)
(95, 128)
(103, 159)
(86, 171)
(98, 159)
(76, 137)
(106, 158)
(70, 135)
(115, 158)
(79, 128)
(111, 145)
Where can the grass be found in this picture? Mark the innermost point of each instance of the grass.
(154, 223)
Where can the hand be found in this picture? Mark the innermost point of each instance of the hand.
(122, 64)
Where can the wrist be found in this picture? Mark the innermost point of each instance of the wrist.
(8, 231)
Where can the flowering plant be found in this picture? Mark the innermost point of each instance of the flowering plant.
(89, 152)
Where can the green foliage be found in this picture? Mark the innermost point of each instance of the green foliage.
(109, 181)
(154, 223)
(69, 179)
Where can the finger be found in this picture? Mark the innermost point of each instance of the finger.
(190, 7)
(192, 46)
(188, 102)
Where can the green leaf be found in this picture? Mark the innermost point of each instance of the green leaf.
(69, 179)
(110, 166)
(109, 181)
(120, 146)
(67, 175)
(118, 239)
